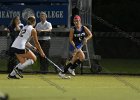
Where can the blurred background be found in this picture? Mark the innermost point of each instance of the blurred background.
(117, 39)
(114, 48)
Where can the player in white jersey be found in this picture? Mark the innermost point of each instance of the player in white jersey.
(25, 56)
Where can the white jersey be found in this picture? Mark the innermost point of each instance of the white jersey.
(43, 26)
(23, 37)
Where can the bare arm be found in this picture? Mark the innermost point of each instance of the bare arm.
(29, 45)
(37, 45)
(88, 32)
(71, 38)
(17, 28)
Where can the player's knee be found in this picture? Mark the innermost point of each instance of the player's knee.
(34, 58)
(82, 57)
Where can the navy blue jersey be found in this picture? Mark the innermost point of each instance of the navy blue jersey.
(78, 35)
(13, 32)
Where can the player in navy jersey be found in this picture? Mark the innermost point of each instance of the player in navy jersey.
(79, 35)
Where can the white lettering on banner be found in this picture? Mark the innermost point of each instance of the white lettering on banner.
(52, 14)
(55, 14)
(9, 14)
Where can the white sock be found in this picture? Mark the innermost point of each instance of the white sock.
(26, 63)
(13, 72)
(22, 66)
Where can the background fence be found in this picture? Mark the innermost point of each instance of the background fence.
(119, 55)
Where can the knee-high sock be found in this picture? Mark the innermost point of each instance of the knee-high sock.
(22, 66)
(75, 64)
(66, 67)
(26, 63)
(13, 72)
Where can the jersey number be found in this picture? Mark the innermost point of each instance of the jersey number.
(22, 32)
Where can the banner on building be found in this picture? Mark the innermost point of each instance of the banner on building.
(57, 14)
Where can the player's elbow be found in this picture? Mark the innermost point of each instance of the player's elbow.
(91, 35)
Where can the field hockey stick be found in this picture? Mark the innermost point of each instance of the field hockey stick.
(78, 49)
(54, 64)
(75, 52)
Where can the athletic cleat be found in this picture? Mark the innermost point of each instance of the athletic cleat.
(12, 77)
(71, 71)
(19, 72)
(63, 76)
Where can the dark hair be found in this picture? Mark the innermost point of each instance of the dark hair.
(13, 21)
(31, 20)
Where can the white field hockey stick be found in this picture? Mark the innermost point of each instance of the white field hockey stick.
(54, 64)
(50, 61)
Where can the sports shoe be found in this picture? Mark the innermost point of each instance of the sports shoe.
(63, 76)
(12, 77)
(19, 72)
(71, 71)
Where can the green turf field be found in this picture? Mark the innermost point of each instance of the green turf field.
(122, 66)
(81, 87)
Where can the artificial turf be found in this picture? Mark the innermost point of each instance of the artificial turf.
(80, 87)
